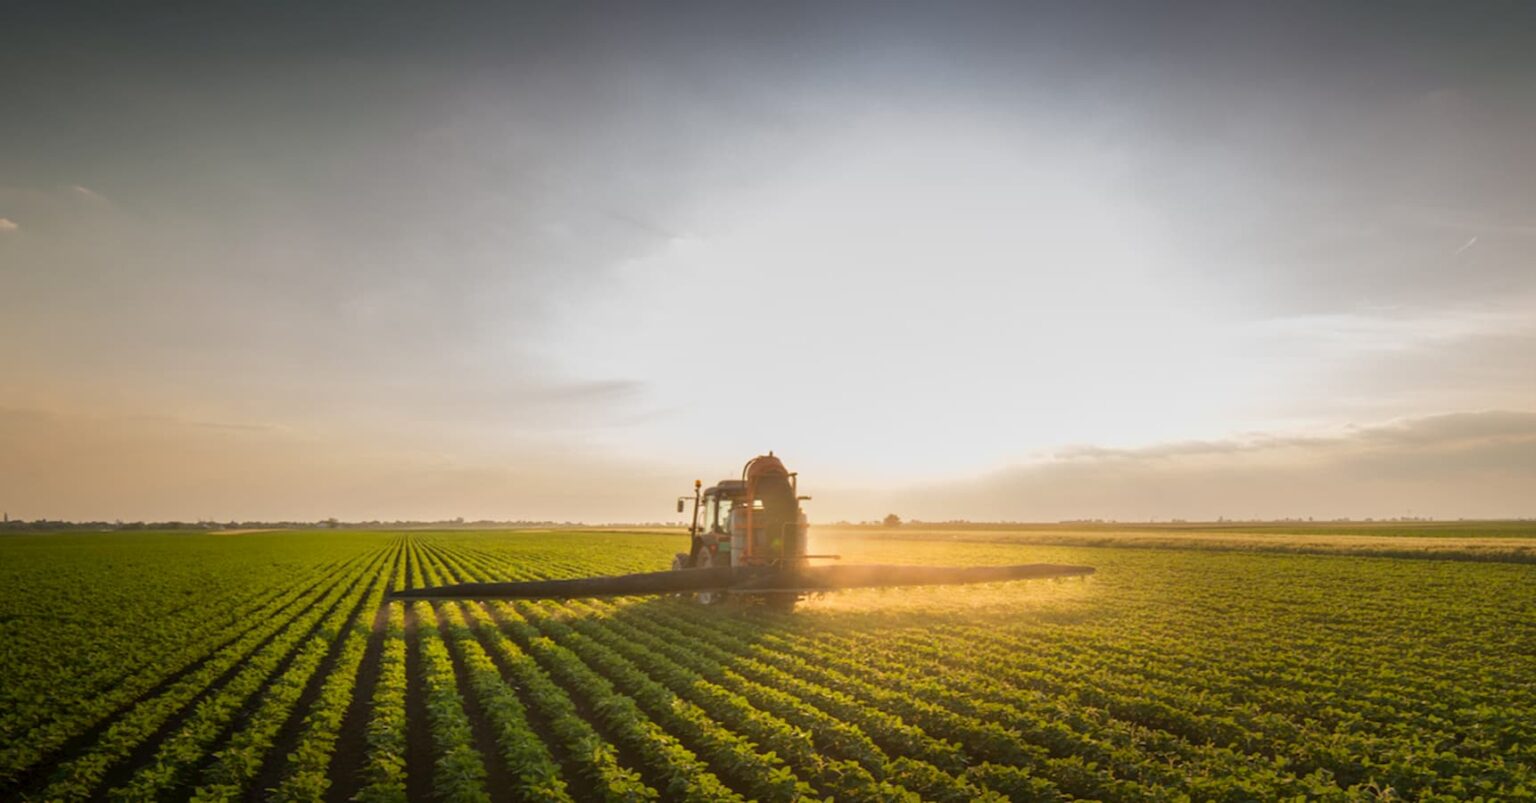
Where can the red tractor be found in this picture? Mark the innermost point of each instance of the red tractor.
(752, 521)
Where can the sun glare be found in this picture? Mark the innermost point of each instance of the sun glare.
(1006, 299)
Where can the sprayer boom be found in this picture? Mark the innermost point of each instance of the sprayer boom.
(748, 542)
(747, 580)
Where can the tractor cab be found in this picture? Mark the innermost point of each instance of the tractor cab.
(719, 500)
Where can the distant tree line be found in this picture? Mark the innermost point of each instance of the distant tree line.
(60, 525)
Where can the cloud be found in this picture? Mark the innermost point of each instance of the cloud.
(1446, 430)
(1393, 328)
(6, 224)
(88, 194)
(1462, 464)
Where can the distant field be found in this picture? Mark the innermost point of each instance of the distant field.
(1500, 541)
(1199, 662)
(1394, 529)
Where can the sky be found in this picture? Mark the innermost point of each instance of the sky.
(1012, 261)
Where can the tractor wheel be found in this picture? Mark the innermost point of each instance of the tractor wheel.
(706, 561)
(679, 563)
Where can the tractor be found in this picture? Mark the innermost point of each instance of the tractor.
(755, 521)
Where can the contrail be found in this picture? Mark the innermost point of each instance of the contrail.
(1465, 246)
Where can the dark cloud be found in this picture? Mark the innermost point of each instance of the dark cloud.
(1286, 147)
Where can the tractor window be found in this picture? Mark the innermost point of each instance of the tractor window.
(723, 517)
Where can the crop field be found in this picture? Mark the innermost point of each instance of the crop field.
(269, 666)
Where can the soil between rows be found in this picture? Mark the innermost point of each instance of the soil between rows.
(275, 764)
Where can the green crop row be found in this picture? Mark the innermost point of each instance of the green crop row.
(459, 771)
(536, 773)
(307, 776)
(906, 740)
(935, 782)
(384, 772)
(1207, 732)
(845, 779)
(86, 616)
(180, 653)
(762, 776)
(590, 756)
(678, 770)
(78, 778)
(112, 682)
(1169, 675)
(211, 718)
(829, 735)
(242, 757)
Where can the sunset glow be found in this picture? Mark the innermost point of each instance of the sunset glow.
(499, 266)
